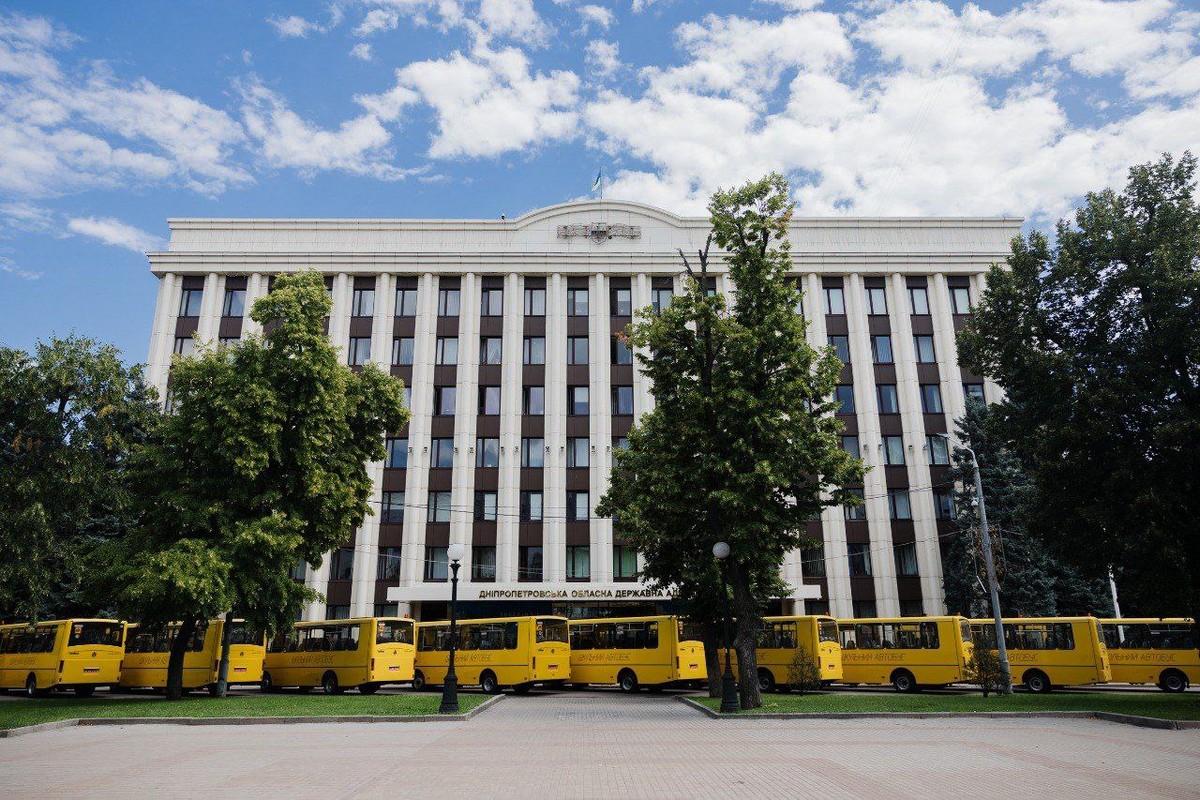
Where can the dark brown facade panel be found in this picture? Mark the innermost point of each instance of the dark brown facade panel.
(405, 326)
(577, 480)
(891, 425)
(857, 531)
(922, 324)
(533, 427)
(447, 326)
(360, 326)
(878, 325)
(885, 373)
(186, 326)
(897, 477)
(578, 534)
(928, 373)
(836, 325)
(483, 534)
(394, 480)
(487, 480)
(392, 535)
(338, 592)
(529, 534)
(579, 425)
(441, 480)
(230, 327)
(935, 423)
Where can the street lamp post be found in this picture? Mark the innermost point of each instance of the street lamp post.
(450, 686)
(729, 692)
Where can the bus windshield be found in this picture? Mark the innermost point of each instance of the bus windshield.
(828, 630)
(394, 631)
(552, 630)
(242, 632)
(96, 633)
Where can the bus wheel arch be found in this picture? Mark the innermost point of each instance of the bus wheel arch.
(628, 681)
(1172, 680)
(418, 682)
(266, 685)
(766, 680)
(1036, 681)
(31, 687)
(904, 681)
(488, 682)
(329, 683)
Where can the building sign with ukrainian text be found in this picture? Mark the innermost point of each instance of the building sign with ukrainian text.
(569, 592)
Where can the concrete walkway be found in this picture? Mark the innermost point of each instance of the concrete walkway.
(600, 744)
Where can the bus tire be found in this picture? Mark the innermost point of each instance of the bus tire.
(766, 681)
(31, 687)
(85, 691)
(904, 682)
(329, 683)
(522, 688)
(418, 681)
(214, 690)
(368, 688)
(1172, 680)
(628, 681)
(1036, 681)
(266, 685)
(488, 682)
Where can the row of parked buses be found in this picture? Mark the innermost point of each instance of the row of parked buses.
(907, 653)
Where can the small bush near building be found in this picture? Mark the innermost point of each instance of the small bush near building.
(984, 669)
(804, 675)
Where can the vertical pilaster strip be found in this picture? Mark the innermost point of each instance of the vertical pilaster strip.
(162, 337)
(508, 499)
(339, 315)
(599, 424)
(256, 287)
(944, 343)
(462, 495)
(643, 398)
(210, 309)
(416, 496)
(555, 494)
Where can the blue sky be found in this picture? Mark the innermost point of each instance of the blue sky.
(114, 117)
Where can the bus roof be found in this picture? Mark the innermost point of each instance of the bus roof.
(647, 618)
(352, 620)
(495, 619)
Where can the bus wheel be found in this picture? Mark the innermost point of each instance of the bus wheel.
(1036, 681)
(1172, 680)
(488, 682)
(368, 688)
(85, 691)
(766, 681)
(903, 681)
(418, 681)
(213, 690)
(522, 688)
(31, 689)
(628, 681)
(329, 683)
(266, 685)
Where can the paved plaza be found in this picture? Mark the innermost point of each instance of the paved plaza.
(600, 744)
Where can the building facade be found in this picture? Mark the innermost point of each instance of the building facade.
(503, 332)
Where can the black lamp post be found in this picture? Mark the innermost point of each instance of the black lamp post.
(450, 686)
(729, 692)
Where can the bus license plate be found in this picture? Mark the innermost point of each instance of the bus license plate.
(553, 667)
(239, 669)
(394, 668)
(91, 669)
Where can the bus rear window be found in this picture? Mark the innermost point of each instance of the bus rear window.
(828, 630)
(394, 632)
(244, 633)
(965, 629)
(96, 633)
(552, 630)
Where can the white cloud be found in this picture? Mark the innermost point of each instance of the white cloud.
(9, 267)
(599, 16)
(378, 19)
(114, 232)
(517, 19)
(28, 217)
(602, 57)
(639, 6)
(294, 27)
(361, 51)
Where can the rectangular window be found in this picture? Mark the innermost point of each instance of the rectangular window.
(487, 453)
(881, 349)
(577, 350)
(533, 453)
(228, 341)
(530, 568)
(931, 398)
(533, 400)
(436, 563)
(447, 351)
(939, 450)
(660, 299)
(485, 506)
(906, 560)
(448, 300)
(622, 400)
(579, 562)
(397, 454)
(578, 451)
(943, 504)
(491, 350)
(531, 506)
(534, 351)
(621, 354)
(841, 347)
(185, 346)
(888, 401)
(491, 303)
(918, 296)
(923, 345)
(406, 302)
(620, 444)
(835, 300)
(578, 507)
(973, 390)
(850, 445)
(439, 507)
(876, 301)
(624, 562)
(577, 400)
(393, 508)
(189, 302)
(402, 351)
(893, 451)
(859, 556)
(621, 303)
(360, 351)
(960, 299)
(489, 400)
(441, 453)
(341, 565)
(444, 400)
(812, 561)
(844, 396)
(535, 302)
(483, 563)
(388, 568)
(577, 302)
(864, 609)
(858, 512)
(898, 504)
(235, 303)
(362, 303)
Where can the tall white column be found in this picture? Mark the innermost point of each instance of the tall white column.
(416, 489)
(600, 424)
(555, 491)
(944, 343)
(210, 308)
(339, 315)
(462, 494)
(162, 337)
(508, 499)
(256, 287)
(643, 399)
(992, 391)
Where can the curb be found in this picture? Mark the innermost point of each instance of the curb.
(1105, 716)
(190, 721)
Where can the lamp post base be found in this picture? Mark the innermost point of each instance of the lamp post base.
(449, 696)
(729, 694)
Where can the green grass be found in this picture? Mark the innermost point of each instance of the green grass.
(1145, 704)
(18, 713)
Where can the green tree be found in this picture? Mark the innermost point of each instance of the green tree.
(984, 669)
(70, 415)
(261, 464)
(803, 671)
(742, 445)
(1096, 339)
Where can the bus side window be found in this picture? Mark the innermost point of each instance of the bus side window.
(604, 636)
(510, 635)
(1064, 635)
(652, 635)
(929, 636)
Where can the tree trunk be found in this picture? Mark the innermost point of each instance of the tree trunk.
(223, 665)
(745, 641)
(712, 658)
(183, 635)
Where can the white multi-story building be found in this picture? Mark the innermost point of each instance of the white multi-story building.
(503, 330)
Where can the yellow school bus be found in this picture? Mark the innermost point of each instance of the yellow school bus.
(341, 654)
(494, 653)
(148, 651)
(780, 643)
(633, 652)
(1044, 652)
(78, 654)
(907, 652)
(1158, 651)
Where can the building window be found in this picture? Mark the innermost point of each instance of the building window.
(402, 351)
(235, 303)
(444, 400)
(850, 445)
(448, 300)
(406, 302)
(943, 504)
(531, 506)
(360, 350)
(812, 561)
(534, 350)
(530, 568)
(535, 302)
(337, 612)
(960, 299)
(844, 396)
(393, 508)
(906, 560)
(888, 402)
(341, 565)
(931, 398)
(876, 301)
(578, 507)
(859, 556)
(298, 570)
(624, 563)
(578, 451)
(439, 507)
(620, 444)
(577, 400)
(483, 563)
(579, 562)
(923, 345)
(841, 347)
(864, 609)
(533, 453)
(487, 453)
(858, 512)
(227, 341)
(447, 351)
(489, 400)
(577, 350)
(388, 568)
(835, 300)
(881, 349)
(533, 400)
(577, 302)
(939, 450)
(893, 451)
(397, 454)
(491, 350)
(491, 303)
(189, 302)
(622, 400)
(911, 608)
(185, 346)
(898, 504)
(621, 303)
(485, 506)
(362, 303)
(918, 297)
(973, 390)
(818, 608)
(441, 453)
(621, 354)
(436, 563)
(660, 299)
